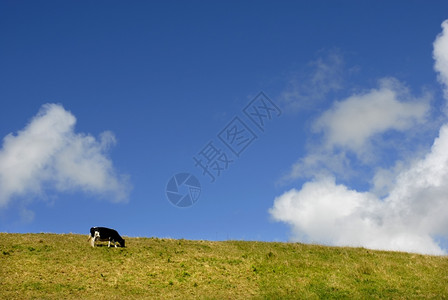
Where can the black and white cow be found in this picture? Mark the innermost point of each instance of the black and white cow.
(105, 234)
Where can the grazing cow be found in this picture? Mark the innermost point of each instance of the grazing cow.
(105, 234)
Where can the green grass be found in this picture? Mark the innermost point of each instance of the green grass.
(61, 266)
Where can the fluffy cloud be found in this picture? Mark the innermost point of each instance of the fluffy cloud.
(48, 153)
(414, 211)
(355, 125)
(352, 122)
(407, 206)
(440, 55)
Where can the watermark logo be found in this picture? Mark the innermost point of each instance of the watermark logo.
(260, 110)
(236, 136)
(183, 190)
(219, 154)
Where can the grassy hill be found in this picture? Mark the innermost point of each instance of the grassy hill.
(61, 266)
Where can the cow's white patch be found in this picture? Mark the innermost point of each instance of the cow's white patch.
(95, 237)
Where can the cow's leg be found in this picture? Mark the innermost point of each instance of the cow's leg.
(108, 244)
(92, 241)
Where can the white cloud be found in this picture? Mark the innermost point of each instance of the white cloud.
(352, 122)
(440, 55)
(48, 153)
(407, 206)
(415, 210)
(355, 126)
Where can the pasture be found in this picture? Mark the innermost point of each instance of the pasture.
(64, 266)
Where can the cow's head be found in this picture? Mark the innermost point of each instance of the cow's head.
(122, 243)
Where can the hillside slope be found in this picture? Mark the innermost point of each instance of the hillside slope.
(61, 266)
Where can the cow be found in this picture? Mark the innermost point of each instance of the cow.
(105, 234)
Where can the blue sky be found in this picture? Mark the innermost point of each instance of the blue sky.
(103, 102)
